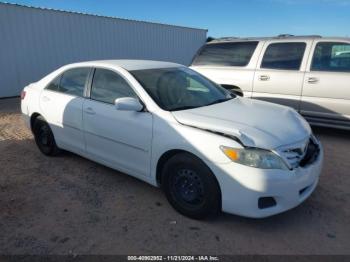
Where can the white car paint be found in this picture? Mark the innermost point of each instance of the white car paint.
(133, 142)
(247, 120)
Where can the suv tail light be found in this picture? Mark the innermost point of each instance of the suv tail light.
(23, 94)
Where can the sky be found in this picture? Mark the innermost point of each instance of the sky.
(239, 18)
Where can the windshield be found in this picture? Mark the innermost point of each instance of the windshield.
(180, 88)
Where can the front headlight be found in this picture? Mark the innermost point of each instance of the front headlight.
(254, 157)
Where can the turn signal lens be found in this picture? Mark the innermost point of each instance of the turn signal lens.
(231, 153)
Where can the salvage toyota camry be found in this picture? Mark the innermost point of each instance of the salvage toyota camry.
(163, 123)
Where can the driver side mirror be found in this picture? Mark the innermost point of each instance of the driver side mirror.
(128, 104)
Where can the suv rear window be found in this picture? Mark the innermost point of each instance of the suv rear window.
(226, 54)
(284, 56)
(331, 56)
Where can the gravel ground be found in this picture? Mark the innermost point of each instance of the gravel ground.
(70, 205)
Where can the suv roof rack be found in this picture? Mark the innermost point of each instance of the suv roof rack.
(285, 35)
(230, 39)
(297, 36)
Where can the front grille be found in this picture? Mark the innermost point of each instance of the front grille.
(311, 155)
(293, 156)
(301, 153)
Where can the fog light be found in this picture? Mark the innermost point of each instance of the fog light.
(266, 202)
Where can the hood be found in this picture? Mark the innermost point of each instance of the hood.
(255, 123)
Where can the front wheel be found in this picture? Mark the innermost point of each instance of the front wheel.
(44, 137)
(190, 186)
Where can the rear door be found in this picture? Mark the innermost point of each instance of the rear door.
(61, 104)
(230, 64)
(280, 71)
(326, 92)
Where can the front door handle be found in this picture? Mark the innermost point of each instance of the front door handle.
(90, 111)
(264, 78)
(312, 80)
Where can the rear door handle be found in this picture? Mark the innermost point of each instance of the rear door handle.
(90, 111)
(264, 78)
(312, 80)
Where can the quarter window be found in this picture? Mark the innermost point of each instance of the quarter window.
(283, 56)
(330, 56)
(226, 54)
(54, 85)
(107, 86)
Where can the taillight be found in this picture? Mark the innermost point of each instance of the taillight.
(23, 94)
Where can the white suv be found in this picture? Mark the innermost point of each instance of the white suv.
(309, 73)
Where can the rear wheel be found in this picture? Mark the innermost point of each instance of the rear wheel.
(44, 137)
(190, 187)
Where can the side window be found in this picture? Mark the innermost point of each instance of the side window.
(331, 56)
(107, 86)
(284, 56)
(226, 54)
(73, 81)
(54, 85)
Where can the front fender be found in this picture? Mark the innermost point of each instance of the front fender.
(171, 135)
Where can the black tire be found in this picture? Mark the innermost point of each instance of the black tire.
(44, 138)
(190, 187)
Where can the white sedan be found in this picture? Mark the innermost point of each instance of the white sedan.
(171, 127)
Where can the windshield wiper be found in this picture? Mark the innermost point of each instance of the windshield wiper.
(191, 107)
(183, 108)
(220, 101)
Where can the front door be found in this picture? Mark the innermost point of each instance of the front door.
(120, 139)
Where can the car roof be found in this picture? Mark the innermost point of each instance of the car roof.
(279, 37)
(128, 64)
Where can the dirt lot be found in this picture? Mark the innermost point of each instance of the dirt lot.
(70, 205)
